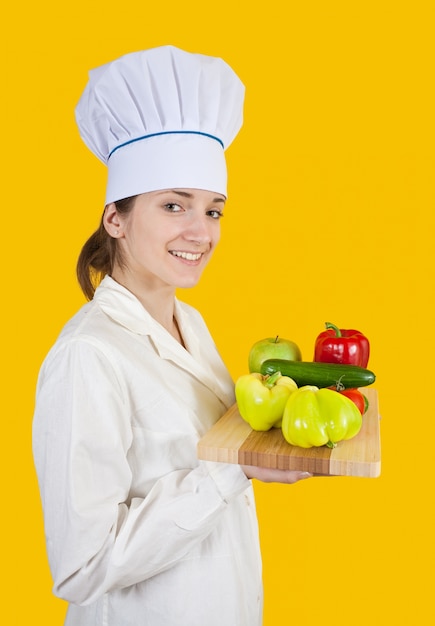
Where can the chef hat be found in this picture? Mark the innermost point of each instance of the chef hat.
(161, 119)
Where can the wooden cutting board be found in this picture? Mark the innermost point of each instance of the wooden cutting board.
(232, 440)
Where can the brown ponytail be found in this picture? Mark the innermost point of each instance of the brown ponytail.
(100, 253)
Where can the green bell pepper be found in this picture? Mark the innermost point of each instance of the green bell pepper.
(318, 417)
(261, 399)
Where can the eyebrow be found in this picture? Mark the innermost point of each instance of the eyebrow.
(186, 194)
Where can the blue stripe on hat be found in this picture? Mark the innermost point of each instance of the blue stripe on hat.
(167, 132)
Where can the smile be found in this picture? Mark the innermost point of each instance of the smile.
(189, 256)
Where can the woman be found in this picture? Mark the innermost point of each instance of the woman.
(139, 532)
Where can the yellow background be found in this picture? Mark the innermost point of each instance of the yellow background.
(330, 218)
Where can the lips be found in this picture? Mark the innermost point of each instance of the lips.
(188, 256)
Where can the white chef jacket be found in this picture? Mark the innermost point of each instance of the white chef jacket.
(138, 531)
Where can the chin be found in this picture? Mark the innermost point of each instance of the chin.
(188, 282)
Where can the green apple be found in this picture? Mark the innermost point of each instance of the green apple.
(272, 348)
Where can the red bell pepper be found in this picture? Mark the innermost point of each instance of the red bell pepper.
(335, 345)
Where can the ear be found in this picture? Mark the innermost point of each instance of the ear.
(111, 221)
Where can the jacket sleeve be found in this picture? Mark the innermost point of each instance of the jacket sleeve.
(98, 537)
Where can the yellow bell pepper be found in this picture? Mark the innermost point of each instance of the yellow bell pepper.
(318, 417)
(261, 399)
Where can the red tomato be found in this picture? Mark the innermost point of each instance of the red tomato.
(357, 397)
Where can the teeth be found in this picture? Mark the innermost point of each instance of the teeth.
(189, 256)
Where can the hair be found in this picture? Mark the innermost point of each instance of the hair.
(100, 253)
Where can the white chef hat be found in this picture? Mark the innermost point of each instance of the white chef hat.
(161, 119)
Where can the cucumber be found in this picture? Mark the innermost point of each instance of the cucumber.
(336, 375)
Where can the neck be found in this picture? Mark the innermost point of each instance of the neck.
(159, 302)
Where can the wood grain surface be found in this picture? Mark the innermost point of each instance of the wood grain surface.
(232, 440)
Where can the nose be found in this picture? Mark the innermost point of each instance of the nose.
(201, 230)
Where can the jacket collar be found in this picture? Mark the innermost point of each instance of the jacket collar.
(125, 309)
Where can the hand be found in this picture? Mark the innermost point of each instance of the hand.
(268, 475)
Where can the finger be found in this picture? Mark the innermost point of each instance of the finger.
(270, 475)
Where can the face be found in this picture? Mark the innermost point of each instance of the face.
(168, 237)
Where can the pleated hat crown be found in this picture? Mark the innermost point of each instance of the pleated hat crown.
(161, 119)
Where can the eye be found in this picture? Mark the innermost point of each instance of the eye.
(172, 207)
(216, 214)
